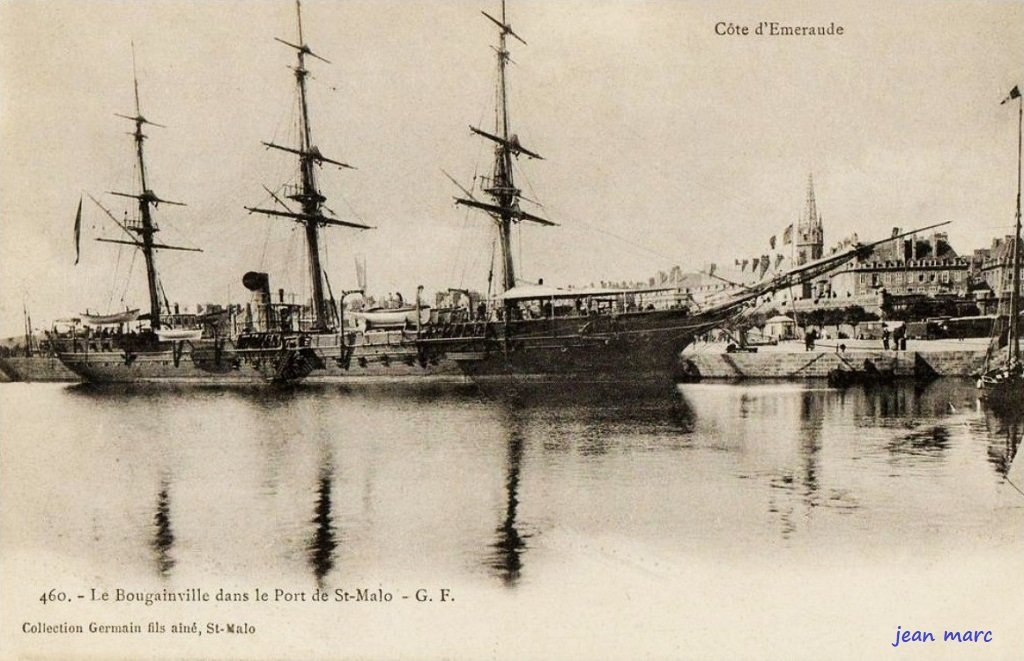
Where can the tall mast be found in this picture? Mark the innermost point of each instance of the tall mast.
(309, 197)
(148, 228)
(311, 216)
(145, 226)
(502, 191)
(28, 330)
(1014, 332)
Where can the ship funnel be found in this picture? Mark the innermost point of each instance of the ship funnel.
(254, 281)
(260, 282)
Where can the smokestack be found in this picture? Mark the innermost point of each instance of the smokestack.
(257, 282)
(260, 283)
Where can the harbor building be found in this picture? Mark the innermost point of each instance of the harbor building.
(914, 265)
(993, 268)
(920, 271)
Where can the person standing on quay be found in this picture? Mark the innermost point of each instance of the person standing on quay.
(898, 338)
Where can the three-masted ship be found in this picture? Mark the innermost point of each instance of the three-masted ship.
(1001, 383)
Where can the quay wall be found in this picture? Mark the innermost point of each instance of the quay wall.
(817, 363)
(955, 363)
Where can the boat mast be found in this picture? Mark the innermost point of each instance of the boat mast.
(28, 330)
(504, 191)
(505, 208)
(311, 216)
(1014, 332)
(145, 226)
(308, 196)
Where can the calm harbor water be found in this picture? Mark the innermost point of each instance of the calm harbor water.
(759, 520)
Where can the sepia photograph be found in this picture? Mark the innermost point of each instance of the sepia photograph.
(510, 329)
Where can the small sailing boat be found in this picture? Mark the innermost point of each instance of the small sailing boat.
(536, 333)
(1001, 384)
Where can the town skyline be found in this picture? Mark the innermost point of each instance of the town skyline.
(665, 144)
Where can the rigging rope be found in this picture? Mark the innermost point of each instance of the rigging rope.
(113, 278)
(519, 238)
(266, 236)
(167, 303)
(574, 221)
(490, 273)
(128, 278)
(465, 219)
(577, 222)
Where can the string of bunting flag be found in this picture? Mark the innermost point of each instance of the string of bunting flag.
(760, 264)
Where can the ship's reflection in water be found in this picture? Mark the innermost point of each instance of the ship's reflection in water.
(797, 481)
(434, 485)
(510, 545)
(588, 421)
(163, 536)
(323, 544)
(1004, 430)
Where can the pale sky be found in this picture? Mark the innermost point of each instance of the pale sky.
(664, 143)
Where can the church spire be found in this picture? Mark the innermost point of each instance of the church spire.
(812, 218)
(810, 234)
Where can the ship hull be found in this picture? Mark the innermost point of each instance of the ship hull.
(631, 348)
(1002, 389)
(166, 366)
(571, 365)
(373, 358)
(387, 356)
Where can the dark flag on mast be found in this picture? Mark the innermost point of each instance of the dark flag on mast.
(78, 231)
(1014, 94)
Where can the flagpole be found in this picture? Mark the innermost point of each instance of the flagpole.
(1014, 302)
(792, 264)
